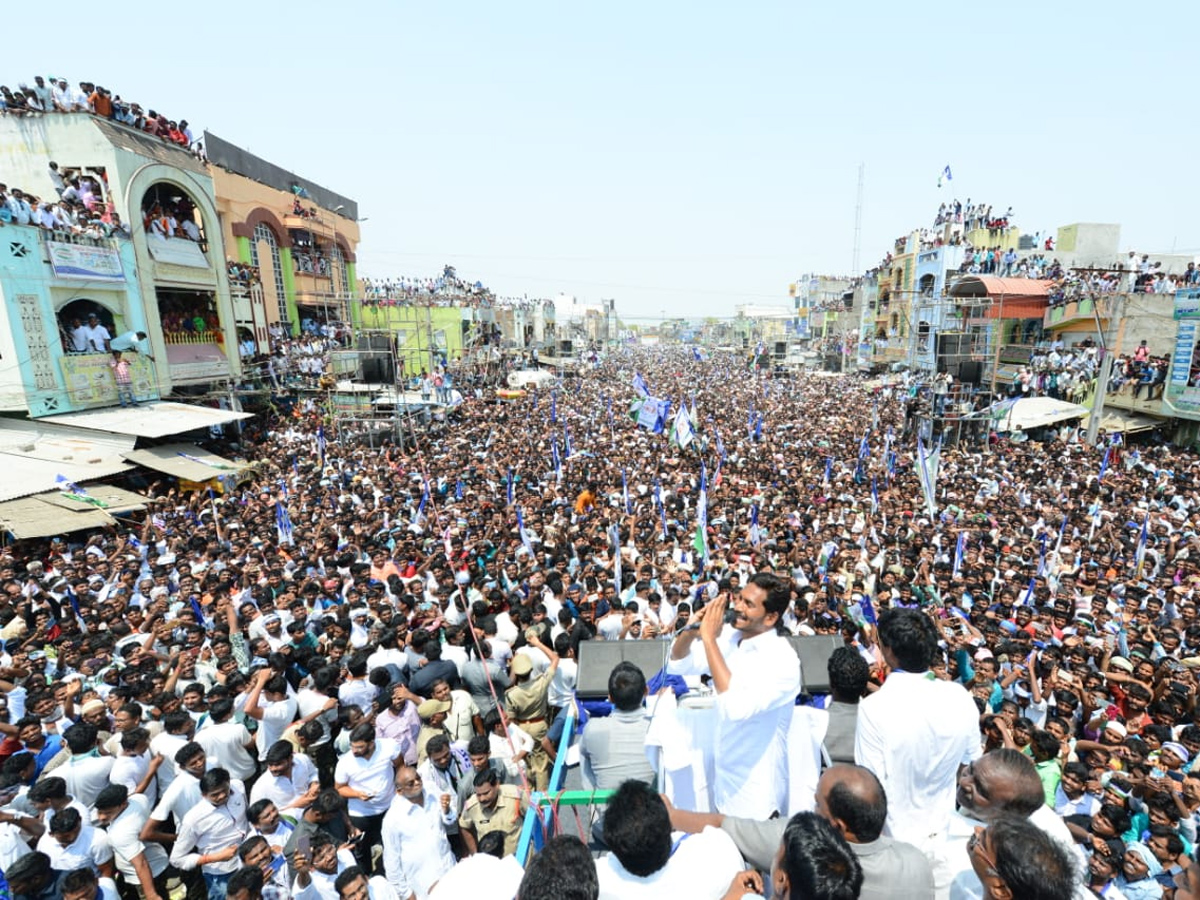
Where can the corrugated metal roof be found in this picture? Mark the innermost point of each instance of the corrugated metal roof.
(32, 517)
(151, 420)
(115, 499)
(170, 458)
(33, 453)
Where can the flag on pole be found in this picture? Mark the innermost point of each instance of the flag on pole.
(568, 451)
(874, 496)
(458, 489)
(196, 610)
(1041, 570)
(1140, 553)
(662, 510)
(525, 539)
(681, 430)
(625, 493)
(755, 536)
(510, 491)
(1104, 462)
(614, 534)
(555, 458)
(828, 471)
(960, 550)
(945, 176)
(758, 427)
(1027, 600)
(283, 523)
(700, 542)
(640, 386)
(927, 473)
(321, 445)
(420, 511)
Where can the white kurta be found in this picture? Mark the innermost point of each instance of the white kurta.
(415, 850)
(914, 733)
(753, 717)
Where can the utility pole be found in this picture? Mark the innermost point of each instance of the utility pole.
(1106, 366)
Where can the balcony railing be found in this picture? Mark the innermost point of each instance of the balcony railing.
(194, 337)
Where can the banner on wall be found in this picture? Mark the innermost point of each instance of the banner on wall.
(90, 382)
(81, 261)
(1183, 386)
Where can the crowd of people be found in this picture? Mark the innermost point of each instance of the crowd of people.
(82, 208)
(59, 96)
(447, 289)
(344, 678)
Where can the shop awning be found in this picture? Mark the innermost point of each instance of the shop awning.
(34, 453)
(33, 517)
(1118, 421)
(186, 461)
(1029, 412)
(114, 499)
(149, 420)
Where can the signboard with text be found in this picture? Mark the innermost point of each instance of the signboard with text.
(1183, 386)
(90, 382)
(84, 261)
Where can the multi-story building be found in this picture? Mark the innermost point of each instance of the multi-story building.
(166, 276)
(302, 238)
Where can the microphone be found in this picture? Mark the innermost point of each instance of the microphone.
(731, 616)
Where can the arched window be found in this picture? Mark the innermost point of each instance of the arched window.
(341, 278)
(168, 212)
(264, 234)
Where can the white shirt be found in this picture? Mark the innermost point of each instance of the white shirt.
(460, 721)
(88, 851)
(282, 790)
(227, 742)
(753, 717)
(208, 829)
(415, 850)
(277, 716)
(86, 776)
(166, 746)
(914, 733)
(130, 770)
(701, 867)
(375, 775)
(182, 795)
(562, 685)
(123, 834)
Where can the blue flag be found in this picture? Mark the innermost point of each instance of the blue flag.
(283, 524)
(874, 495)
(960, 549)
(458, 489)
(524, 534)
(758, 427)
(696, 354)
(321, 444)
(568, 451)
(510, 491)
(198, 612)
(640, 386)
(755, 536)
(625, 493)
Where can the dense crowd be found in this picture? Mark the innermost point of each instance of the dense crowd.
(343, 678)
(83, 207)
(59, 96)
(447, 289)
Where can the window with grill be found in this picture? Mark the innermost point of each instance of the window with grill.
(263, 233)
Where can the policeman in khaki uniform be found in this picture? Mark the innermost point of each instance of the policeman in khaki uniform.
(494, 807)
(526, 707)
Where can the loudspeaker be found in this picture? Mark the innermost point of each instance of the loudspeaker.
(970, 371)
(814, 653)
(598, 658)
(377, 369)
(381, 342)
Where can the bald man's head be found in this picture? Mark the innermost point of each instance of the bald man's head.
(409, 785)
(1002, 782)
(852, 800)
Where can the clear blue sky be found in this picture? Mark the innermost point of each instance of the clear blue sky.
(675, 156)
